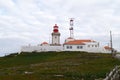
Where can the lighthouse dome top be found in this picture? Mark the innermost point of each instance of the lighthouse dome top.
(55, 26)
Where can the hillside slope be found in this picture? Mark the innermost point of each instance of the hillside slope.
(56, 66)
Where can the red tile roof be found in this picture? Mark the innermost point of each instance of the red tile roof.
(107, 47)
(44, 43)
(70, 38)
(77, 42)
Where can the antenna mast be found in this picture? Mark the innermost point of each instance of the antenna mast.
(71, 27)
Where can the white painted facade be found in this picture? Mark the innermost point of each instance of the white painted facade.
(88, 47)
(41, 48)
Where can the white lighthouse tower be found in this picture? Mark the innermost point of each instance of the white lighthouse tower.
(55, 36)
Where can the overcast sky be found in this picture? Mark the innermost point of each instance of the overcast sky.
(24, 22)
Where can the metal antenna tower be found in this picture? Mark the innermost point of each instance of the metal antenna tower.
(71, 27)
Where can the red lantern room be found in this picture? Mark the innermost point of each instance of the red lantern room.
(55, 30)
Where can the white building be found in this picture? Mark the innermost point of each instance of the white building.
(70, 44)
(85, 45)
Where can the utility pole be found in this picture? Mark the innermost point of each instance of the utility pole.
(111, 44)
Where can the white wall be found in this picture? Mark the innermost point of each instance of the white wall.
(41, 48)
(86, 48)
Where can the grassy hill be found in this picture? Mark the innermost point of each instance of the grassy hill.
(56, 66)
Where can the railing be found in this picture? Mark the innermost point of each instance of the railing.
(114, 74)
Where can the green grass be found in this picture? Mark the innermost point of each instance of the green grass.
(56, 66)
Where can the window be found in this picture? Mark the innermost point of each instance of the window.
(95, 45)
(79, 47)
(69, 47)
(88, 45)
(92, 45)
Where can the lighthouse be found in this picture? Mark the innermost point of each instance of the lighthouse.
(55, 36)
